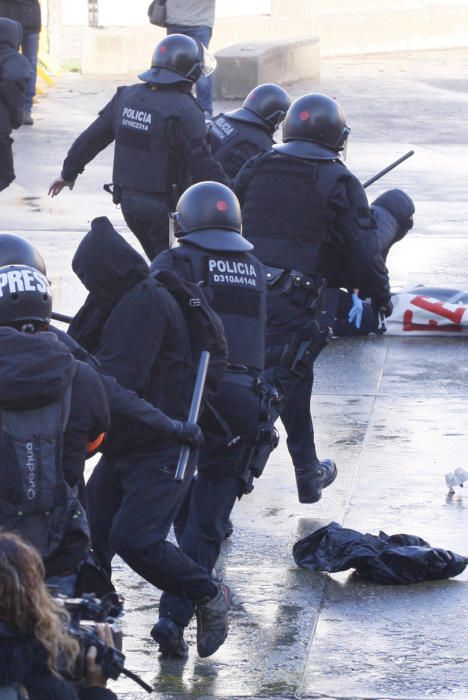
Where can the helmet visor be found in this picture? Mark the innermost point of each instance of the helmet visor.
(208, 62)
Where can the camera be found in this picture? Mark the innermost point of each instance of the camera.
(85, 613)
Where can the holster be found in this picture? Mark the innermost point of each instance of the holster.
(304, 347)
(303, 290)
(115, 191)
(255, 455)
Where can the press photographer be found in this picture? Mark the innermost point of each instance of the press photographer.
(34, 641)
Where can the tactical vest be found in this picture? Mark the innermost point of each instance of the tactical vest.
(284, 210)
(237, 285)
(143, 119)
(226, 135)
(35, 499)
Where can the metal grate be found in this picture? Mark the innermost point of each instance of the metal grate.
(93, 12)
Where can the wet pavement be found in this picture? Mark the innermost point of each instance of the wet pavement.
(392, 412)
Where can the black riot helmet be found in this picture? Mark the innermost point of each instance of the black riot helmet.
(178, 59)
(25, 296)
(15, 250)
(265, 105)
(314, 127)
(208, 215)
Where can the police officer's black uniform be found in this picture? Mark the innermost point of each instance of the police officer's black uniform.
(214, 254)
(160, 141)
(237, 136)
(310, 222)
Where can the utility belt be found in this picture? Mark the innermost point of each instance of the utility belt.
(116, 192)
(302, 290)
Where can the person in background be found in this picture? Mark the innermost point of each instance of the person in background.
(14, 75)
(28, 14)
(33, 633)
(194, 18)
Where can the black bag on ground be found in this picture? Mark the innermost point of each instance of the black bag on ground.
(157, 13)
(387, 559)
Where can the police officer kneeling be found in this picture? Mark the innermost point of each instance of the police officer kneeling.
(236, 424)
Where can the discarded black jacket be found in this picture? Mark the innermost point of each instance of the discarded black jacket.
(388, 559)
(15, 72)
(108, 267)
(23, 661)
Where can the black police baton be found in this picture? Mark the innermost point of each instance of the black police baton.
(61, 317)
(194, 411)
(386, 170)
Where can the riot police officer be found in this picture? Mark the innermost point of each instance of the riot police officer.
(213, 253)
(311, 224)
(160, 140)
(237, 136)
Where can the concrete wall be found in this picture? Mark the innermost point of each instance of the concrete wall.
(343, 26)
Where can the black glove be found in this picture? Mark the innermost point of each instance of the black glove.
(400, 206)
(189, 434)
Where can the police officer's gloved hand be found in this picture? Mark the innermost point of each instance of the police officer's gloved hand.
(401, 206)
(356, 311)
(189, 434)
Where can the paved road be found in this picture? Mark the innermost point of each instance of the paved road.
(391, 411)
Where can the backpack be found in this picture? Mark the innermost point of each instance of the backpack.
(205, 328)
(35, 499)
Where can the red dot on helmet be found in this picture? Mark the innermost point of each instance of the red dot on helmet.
(304, 116)
(221, 205)
(162, 49)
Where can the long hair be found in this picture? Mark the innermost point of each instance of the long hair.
(26, 604)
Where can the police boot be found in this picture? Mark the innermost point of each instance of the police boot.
(312, 478)
(170, 637)
(213, 620)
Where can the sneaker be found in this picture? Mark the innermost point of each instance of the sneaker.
(213, 620)
(27, 119)
(170, 637)
(312, 478)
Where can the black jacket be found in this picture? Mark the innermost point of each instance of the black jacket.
(233, 142)
(160, 140)
(108, 267)
(15, 72)
(23, 661)
(34, 371)
(26, 12)
(312, 216)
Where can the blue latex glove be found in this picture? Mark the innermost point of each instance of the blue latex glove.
(355, 312)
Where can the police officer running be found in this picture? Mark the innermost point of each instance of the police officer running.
(237, 136)
(311, 225)
(236, 423)
(160, 141)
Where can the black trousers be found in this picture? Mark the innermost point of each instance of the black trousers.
(147, 217)
(218, 484)
(7, 173)
(294, 410)
(149, 502)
